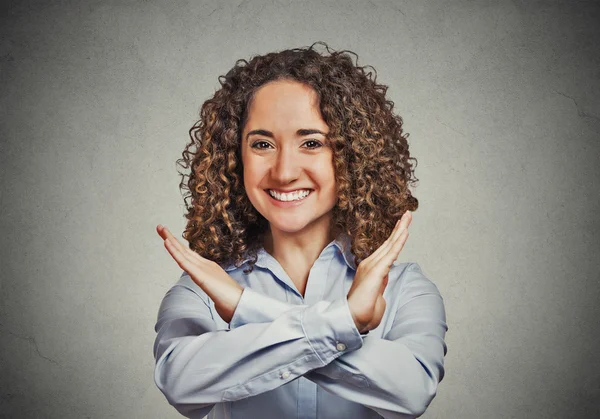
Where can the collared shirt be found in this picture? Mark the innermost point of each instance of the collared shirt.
(288, 356)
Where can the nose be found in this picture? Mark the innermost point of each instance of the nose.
(287, 166)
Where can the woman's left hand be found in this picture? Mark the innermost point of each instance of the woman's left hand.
(218, 285)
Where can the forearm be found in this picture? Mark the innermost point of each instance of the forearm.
(387, 376)
(198, 365)
(396, 375)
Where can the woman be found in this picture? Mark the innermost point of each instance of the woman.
(299, 207)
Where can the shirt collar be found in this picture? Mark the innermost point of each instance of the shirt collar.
(341, 244)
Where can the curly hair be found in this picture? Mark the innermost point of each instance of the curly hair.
(372, 163)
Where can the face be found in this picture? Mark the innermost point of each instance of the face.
(284, 149)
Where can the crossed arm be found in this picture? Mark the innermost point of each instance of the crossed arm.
(397, 375)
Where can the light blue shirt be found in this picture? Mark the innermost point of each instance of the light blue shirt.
(287, 356)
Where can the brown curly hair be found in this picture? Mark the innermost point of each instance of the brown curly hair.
(373, 169)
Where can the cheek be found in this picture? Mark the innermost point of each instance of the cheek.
(324, 173)
(252, 174)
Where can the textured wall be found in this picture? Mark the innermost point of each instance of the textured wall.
(501, 100)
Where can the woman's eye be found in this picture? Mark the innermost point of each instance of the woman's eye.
(315, 144)
(318, 144)
(259, 142)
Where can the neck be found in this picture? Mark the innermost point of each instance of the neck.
(302, 247)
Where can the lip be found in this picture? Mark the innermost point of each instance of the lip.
(287, 204)
(288, 190)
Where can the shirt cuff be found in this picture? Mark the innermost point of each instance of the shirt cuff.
(330, 329)
(255, 307)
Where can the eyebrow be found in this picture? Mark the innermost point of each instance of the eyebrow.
(300, 132)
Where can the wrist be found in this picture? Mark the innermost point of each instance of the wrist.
(363, 330)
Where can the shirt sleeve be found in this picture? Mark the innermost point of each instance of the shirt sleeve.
(398, 375)
(198, 365)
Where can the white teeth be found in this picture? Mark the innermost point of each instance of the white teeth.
(294, 196)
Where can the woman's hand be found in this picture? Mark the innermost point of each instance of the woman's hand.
(218, 285)
(365, 297)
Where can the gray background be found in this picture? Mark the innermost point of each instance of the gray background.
(501, 100)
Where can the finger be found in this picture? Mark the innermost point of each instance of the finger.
(188, 262)
(399, 245)
(386, 260)
(396, 249)
(182, 254)
(402, 225)
(374, 258)
(396, 235)
(160, 229)
(182, 260)
(167, 235)
(375, 255)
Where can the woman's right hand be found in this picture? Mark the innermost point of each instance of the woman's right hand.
(365, 297)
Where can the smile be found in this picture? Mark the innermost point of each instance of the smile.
(294, 196)
(288, 200)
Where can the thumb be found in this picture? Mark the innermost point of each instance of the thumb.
(384, 284)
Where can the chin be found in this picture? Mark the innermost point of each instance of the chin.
(287, 226)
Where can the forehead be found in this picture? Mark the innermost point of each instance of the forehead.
(284, 103)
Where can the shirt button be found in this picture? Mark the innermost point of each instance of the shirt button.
(285, 374)
(341, 347)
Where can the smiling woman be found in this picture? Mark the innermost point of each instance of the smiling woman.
(364, 142)
(294, 168)
(300, 204)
